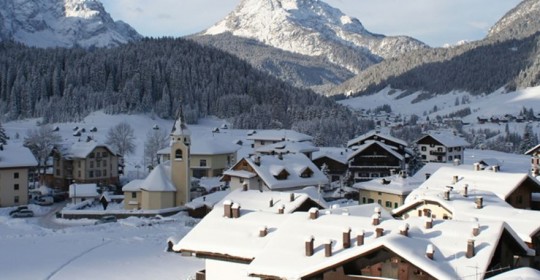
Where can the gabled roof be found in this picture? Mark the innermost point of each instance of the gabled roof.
(16, 156)
(80, 150)
(159, 179)
(533, 150)
(446, 139)
(464, 208)
(285, 147)
(368, 144)
(379, 135)
(207, 147)
(522, 273)
(392, 184)
(338, 154)
(133, 186)
(279, 135)
(293, 164)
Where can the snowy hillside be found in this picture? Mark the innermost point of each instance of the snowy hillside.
(522, 21)
(62, 23)
(311, 27)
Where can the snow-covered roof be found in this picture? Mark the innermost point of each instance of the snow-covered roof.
(464, 208)
(83, 149)
(83, 190)
(533, 150)
(16, 156)
(393, 184)
(208, 200)
(180, 127)
(446, 138)
(293, 164)
(212, 147)
(379, 135)
(285, 147)
(490, 162)
(279, 135)
(133, 186)
(159, 179)
(209, 183)
(522, 273)
(501, 183)
(368, 144)
(338, 154)
(281, 253)
(240, 173)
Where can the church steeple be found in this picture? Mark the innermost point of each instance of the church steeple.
(180, 155)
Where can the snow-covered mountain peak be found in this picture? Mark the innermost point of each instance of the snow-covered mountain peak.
(313, 28)
(522, 21)
(62, 23)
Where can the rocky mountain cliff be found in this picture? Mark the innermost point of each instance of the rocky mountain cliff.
(62, 23)
(520, 22)
(311, 28)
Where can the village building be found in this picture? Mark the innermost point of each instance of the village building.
(333, 161)
(374, 159)
(209, 157)
(168, 185)
(321, 244)
(274, 173)
(82, 192)
(441, 146)
(84, 163)
(376, 135)
(16, 163)
(535, 160)
(271, 136)
(389, 192)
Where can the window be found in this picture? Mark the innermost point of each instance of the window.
(16, 175)
(450, 158)
(104, 172)
(423, 156)
(133, 195)
(91, 164)
(439, 149)
(202, 162)
(104, 163)
(370, 200)
(379, 201)
(363, 200)
(98, 164)
(91, 174)
(396, 205)
(458, 149)
(388, 204)
(16, 187)
(450, 149)
(178, 154)
(16, 199)
(423, 148)
(98, 173)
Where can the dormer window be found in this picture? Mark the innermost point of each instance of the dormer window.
(306, 173)
(282, 175)
(178, 154)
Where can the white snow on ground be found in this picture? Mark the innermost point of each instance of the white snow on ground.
(82, 250)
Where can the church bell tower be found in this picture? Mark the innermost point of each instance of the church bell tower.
(180, 142)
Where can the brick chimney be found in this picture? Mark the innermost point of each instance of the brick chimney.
(455, 179)
(227, 208)
(470, 249)
(466, 190)
(476, 230)
(360, 238)
(429, 223)
(309, 246)
(313, 213)
(235, 210)
(328, 248)
(347, 238)
(263, 231)
(281, 209)
(479, 202)
(375, 219)
(404, 229)
(430, 251)
(379, 232)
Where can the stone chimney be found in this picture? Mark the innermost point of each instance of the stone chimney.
(476, 166)
(429, 223)
(347, 238)
(263, 231)
(479, 202)
(476, 230)
(447, 195)
(379, 232)
(235, 210)
(466, 190)
(227, 209)
(455, 179)
(313, 213)
(430, 251)
(309, 246)
(470, 249)
(291, 197)
(281, 209)
(328, 248)
(404, 229)
(375, 219)
(360, 238)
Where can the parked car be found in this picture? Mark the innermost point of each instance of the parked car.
(44, 200)
(19, 208)
(24, 213)
(106, 219)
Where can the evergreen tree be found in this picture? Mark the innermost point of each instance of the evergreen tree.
(3, 135)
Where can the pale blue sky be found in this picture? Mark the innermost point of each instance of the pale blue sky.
(435, 22)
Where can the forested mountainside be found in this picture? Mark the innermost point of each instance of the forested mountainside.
(157, 76)
(508, 57)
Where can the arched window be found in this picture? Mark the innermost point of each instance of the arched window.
(178, 154)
